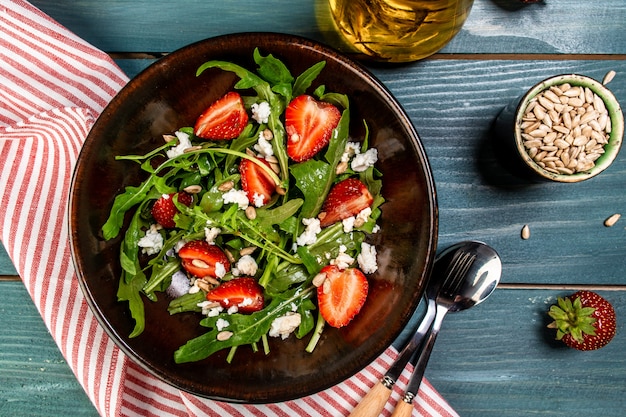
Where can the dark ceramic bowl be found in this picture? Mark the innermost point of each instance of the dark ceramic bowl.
(168, 95)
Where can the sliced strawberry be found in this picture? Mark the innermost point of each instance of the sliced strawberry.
(201, 259)
(309, 124)
(346, 199)
(225, 119)
(244, 292)
(164, 209)
(341, 295)
(257, 183)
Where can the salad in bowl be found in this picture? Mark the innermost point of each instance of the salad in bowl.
(256, 216)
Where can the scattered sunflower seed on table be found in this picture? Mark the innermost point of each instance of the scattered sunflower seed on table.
(611, 220)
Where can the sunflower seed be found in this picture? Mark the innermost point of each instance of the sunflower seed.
(192, 149)
(250, 212)
(199, 263)
(319, 279)
(248, 250)
(612, 220)
(525, 232)
(224, 335)
(225, 186)
(193, 189)
(608, 77)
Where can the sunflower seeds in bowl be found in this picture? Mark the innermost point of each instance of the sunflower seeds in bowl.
(568, 128)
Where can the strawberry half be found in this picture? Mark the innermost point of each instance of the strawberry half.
(244, 292)
(309, 124)
(257, 183)
(201, 259)
(584, 320)
(164, 209)
(341, 295)
(225, 119)
(346, 199)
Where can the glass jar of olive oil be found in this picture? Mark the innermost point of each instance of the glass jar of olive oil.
(398, 30)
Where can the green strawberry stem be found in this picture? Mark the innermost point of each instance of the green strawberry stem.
(572, 318)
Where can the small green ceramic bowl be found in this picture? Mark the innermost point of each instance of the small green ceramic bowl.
(525, 130)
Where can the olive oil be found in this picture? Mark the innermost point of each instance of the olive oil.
(398, 30)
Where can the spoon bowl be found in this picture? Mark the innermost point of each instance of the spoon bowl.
(478, 278)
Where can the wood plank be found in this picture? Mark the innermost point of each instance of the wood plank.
(453, 104)
(497, 359)
(498, 26)
(35, 380)
(6, 266)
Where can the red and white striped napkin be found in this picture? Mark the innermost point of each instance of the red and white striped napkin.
(53, 86)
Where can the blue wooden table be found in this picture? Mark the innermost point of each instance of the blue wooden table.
(497, 359)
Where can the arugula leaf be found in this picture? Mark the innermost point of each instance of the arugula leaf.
(305, 80)
(314, 177)
(246, 329)
(247, 79)
(307, 321)
(129, 290)
(133, 278)
(269, 217)
(186, 303)
(122, 203)
(271, 69)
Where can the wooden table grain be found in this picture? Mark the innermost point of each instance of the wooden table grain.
(497, 359)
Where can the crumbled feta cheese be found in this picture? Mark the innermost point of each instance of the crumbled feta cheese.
(220, 270)
(210, 233)
(363, 215)
(258, 199)
(221, 324)
(236, 196)
(367, 258)
(376, 229)
(209, 310)
(232, 310)
(247, 301)
(261, 112)
(246, 265)
(177, 246)
(283, 326)
(365, 160)
(348, 224)
(179, 286)
(183, 143)
(263, 146)
(343, 260)
(309, 236)
(152, 242)
(351, 149)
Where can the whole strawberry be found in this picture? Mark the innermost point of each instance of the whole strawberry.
(584, 320)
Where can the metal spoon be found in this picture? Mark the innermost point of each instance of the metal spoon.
(450, 266)
(480, 278)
